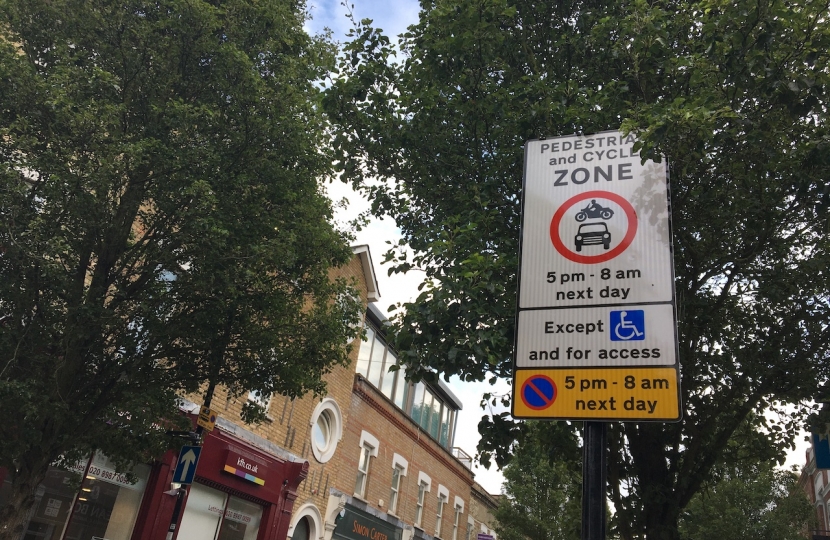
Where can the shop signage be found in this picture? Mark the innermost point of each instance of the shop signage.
(358, 525)
(596, 288)
(102, 468)
(245, 467)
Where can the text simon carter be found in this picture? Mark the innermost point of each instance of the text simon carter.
(372, 533)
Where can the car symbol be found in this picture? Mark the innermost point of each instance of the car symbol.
(592, 234)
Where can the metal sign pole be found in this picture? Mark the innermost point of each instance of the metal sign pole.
(182, 491)
(593, 481)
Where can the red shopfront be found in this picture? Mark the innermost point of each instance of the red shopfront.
(240, 493)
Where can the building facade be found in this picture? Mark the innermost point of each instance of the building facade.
(373, 459)
(815, 482)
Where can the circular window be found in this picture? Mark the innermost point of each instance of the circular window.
(326, 429)
(321, 432)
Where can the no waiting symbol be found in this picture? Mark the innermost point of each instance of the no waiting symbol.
(538, 392)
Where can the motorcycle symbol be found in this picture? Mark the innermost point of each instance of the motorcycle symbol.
(594, 210)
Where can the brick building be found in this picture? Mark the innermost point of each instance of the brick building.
(815, 481)
(373, 459)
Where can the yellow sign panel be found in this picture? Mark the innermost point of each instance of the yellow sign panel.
(207, 419)
(608, 393)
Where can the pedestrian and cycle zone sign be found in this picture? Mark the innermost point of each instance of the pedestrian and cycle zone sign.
(596, 332)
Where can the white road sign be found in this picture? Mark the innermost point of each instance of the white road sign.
(596, 334)
(596, 224)
(631, 335)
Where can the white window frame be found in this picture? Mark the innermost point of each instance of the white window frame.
(439, 515)
(315, 520)
(424, 487)
(459, 509)
(399, 465)
(329, 409)
(394, 491)
(368, 449)
(255, 397)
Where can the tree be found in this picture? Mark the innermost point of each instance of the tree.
(163, 226)
(752, 502)
(731, 94)
(542, 486)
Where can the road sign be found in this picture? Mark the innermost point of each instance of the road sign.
(602, 394)
(593, 217)
(186, 464)
(538, 392)
(596, 281)
(596, 336)
(207, 418)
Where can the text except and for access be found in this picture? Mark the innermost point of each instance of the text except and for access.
(573, 353)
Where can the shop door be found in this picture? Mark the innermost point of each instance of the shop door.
(211, 514)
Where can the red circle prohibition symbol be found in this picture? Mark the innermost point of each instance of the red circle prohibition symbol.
(538, 396)
(630, 213)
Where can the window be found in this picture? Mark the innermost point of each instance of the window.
(255, 396)
(210, 511)
(106, 505)
(397, 472)
(399, 468)
(432, 414)
(419, 506)
(470, 526)
(363, 471)
(302, 530)
(307, 522)
(456, 522)
(374, 362)
(326, 429)
(439, 515)
(368, 449)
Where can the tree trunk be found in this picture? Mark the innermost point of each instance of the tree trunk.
(661, 520)
(31, 472)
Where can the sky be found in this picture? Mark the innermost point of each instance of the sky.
(394, 16)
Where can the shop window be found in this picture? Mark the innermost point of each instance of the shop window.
(106, 506)
(326, 429)
(240, 521)
(210, 514)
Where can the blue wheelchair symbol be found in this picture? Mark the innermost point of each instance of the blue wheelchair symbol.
(628, 325)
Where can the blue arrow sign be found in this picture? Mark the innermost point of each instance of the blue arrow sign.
(186, 465)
